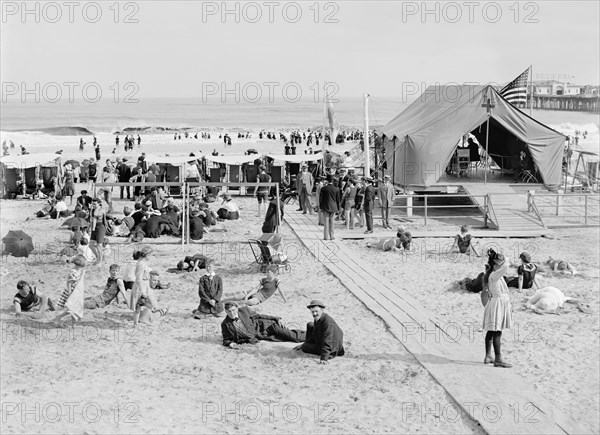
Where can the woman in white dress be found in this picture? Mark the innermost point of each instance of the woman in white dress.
(497, 314)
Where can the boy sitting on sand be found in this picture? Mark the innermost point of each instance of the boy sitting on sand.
(29, 299)
(264, 291)
(464, 242)
(114, 287)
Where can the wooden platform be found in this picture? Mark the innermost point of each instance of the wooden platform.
(499, 399)
(509, 206)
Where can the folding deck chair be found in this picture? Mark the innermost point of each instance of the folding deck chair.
(265, 253)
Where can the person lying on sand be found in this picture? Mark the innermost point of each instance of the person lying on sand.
(473, 285)
(323, 336)
(385, 245)
(193, 263)
(242, 325)
(405, 238)
(563, 266)
(464, 242)
(266, 288)
(29, 302)
(550, 300)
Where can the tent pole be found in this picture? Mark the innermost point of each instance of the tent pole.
(487, 156)
(366, 138)
(183, 187)
(404, 168)
(394, 161)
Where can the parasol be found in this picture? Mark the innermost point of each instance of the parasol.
(17, 243)
(75, 222)
(73, 163)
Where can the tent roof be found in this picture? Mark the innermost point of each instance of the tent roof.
(231, 159)
(297, 158)
(30, 160)
(426, 133)
(173, 160)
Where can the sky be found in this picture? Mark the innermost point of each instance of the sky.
(385, 48)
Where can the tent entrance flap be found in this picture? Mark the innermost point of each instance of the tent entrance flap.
(503, 146)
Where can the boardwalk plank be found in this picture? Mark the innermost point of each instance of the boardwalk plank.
(500, 400)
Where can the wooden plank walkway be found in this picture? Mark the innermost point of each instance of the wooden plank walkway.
(499, 399)
(510, 206)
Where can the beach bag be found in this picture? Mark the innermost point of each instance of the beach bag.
(485, 297)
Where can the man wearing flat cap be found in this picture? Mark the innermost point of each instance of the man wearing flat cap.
(386, 200)
(323, 336)
(242, 325)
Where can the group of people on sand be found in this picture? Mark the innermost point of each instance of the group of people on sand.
(241, 324)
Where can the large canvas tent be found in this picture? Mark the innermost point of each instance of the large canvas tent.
(421, 140)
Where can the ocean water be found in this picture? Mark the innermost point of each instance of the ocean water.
(46, 127)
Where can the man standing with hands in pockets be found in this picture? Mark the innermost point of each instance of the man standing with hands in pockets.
(386, 200)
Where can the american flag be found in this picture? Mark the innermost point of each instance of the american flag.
(516, 91)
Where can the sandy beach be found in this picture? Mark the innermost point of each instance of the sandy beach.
(106, 377)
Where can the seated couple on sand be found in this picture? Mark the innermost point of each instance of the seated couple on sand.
(525, 279)
(323, 337)
(210, 291)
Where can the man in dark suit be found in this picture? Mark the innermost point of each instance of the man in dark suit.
(243, 325)
(329, 205)
(369, 203)
(323, 336)
(124, 172)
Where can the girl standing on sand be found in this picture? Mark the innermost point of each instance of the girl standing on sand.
(142, 294)
(98, 228)
(71, 299)
(497, 314)
(69, 183)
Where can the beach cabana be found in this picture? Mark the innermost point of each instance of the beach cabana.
(230, 166)
(172, 169)
(421, 140)
(294, 161)
(10, 166)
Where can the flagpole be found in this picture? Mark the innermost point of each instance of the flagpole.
(531, 94)
(323, 135)
(366, 138)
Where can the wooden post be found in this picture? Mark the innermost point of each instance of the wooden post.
(585, 221)
(278, 209)
(485, 211)
(183, 189)
(425, 197)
